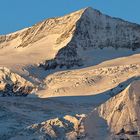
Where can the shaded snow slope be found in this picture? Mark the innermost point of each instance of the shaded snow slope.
(120, 115)
(66, 128)
(51, 59)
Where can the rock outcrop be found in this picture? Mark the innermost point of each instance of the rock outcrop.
(12, 84)
(95, 30)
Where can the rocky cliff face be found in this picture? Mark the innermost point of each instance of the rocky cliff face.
(95, 29)
(12, 84)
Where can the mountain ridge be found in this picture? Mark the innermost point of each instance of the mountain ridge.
(87, 34)
(121, 113)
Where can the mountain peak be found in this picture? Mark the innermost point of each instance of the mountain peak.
(80, 30)
(88, 9)
(91, 10)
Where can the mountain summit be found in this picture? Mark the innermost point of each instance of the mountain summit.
(120, 114)
(66, 41)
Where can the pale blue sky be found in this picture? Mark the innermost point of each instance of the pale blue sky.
(18, 14)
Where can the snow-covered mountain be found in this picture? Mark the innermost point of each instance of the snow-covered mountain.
(117, 118)
(69, 66)
(67, 41)
(12, 84)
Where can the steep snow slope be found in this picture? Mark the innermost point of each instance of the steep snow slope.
(39, 42)
(28, 118)
(120, 115)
